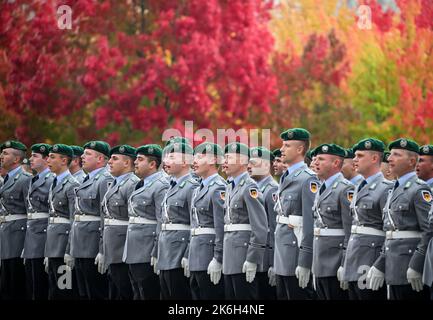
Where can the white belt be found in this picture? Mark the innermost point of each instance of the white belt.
(86, 218)
(199, 231)
(58, 220)
(38, 215)
(237, 227)
(175, 227)
(115, 222)
(141, 220)
(402, 234)
(12, 217)
(295, 221)
(368, 231)
(322, 232)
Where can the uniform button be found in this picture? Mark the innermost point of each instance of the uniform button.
(356, 207)
(183, 239)
(22, 228)
(31, 198)
(328, 208)
(372, 244)
(76, 224)
(153, 233)
(67, 231)
(116, 203)
(290, 197)
(341, 244)
(99, 229)
(399, 207)
(60, 202)
(144, 201)
(294, 242)
(365, 206)
(245, 243)
(28, 226)
(176, 203)
(387, 248)
(410, 251)
(45, 230)
(388, 223)
(317, 238)
(236, 205)
(202, 208)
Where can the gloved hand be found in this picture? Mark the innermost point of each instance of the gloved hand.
(185, 265)
(154, 262)
(303, 275)
(214, 270)
(415, 279)
(69, 261)
(46, 264)
(344, 285)
(100, 262)
(271, 276)
(249, 268)
(375, 279)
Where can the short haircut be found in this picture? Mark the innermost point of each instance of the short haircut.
(68, 158)
(306, 145)
(156, 159)
(19, 153)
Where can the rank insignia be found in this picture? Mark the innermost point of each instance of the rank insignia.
(254, 193)
(426, 195)
(314, 187)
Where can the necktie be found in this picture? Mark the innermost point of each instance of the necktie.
(362, 184)
(396, 185)
(6, 179)
(201, 186)
(172, 183)
(232, 184)
(86, 178)
(322, 188)
(139, 185)
(54, 183)
(35, 178)
(285, 174)
(114, 183)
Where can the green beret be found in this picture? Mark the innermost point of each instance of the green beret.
(153, 150)
(237, 147)
(405, 144)
(177, 139)
(349, 154)
(178, 147)
(124, 149)
(369, 144)
(25, 162)
(78, 151)
(209, 148)
(14, 145)
(386, 155)
(62, 149)
(330, 148)
(261, 152)
(100, 146)
(41, 148)
(426, 150)
(277, 153)
(295, 134)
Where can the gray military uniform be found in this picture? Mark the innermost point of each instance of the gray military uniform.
(427, 276)
(269, 190)
(61, 201)
(86, 235)
(145, 202)
(115, 206)
(79, 176)
(366, 208)
(207, 212)
(172, 244)
(37, 201)
(13, 201)
(406, 210)
(331, 211)
(295, 197)
(244, 205)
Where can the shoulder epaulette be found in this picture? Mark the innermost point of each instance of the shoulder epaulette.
(310, 172)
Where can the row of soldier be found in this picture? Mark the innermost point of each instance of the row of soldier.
(151, 223)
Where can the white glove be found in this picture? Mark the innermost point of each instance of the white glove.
(154, 263)
(69, 261)
(46, 264)
(100, 262)
(344, 285)
(271, 276)
(214, 270)
(249, 269)
(185, 265)
(303, 275)
(375, 279)
(415, 279)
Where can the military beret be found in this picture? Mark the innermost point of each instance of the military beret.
(237, 147)
(62, 149)
(426, 150)
(153, 150)
(124, 149)
(386, 155)
(100, 146)
(25, 162)
(41, 148)
(78, 151)
(330, 148)
(209, 148)
(369, 144)
(261, 152)
(178, 147)
(295, 134)
(177, 139)
(277, 153)
(405, 144)
(14, 144)
(349, 154)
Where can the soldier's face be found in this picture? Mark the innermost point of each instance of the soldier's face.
(175, 163)
(313, 164)
(278, 166)
(401, 162)
(258, 167)
(203, 163)
(90, 159)
(363, 161)
(290, 151)
(142, 166)
(56, 162)
(8, 159)
(234, 163)
(424, 167)
(384, 167)
(348, 168)
(325, 166)
(119, 164)
(37, 161)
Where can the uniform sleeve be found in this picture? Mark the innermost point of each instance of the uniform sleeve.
(218, 219)
(346, 218)
(272, 222)
(103, 188)
(422, 208)
(71, 205)
(158, 198)
(25, 191)
(259, 226)
(305, 258)
(380, 261)
(189, 200)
